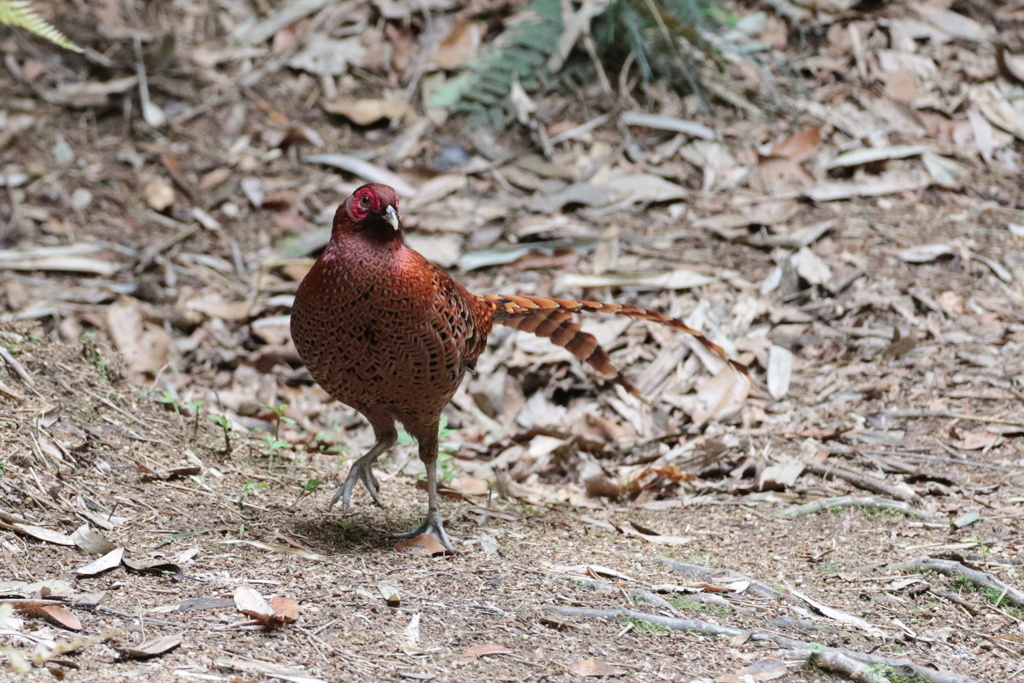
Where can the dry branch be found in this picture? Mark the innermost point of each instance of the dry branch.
(718, 575)
(826, 504)
(708, 628)
(864, 481)
(950, 568)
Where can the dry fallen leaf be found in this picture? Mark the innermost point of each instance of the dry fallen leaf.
(471, 486)
(366, 112)
(800, 146)
(146, 347)
(870, 155)
(90, 541)
(275, 613)
(327, 56)
(38, 532)
(925, 253)
(56, 613)
(1012, 64)
(461, 43)
(484, 650)
(278, 548)
(781, 476)
(652, 536)
(102, 564)
(389, 591)
(780, 371)
(589, 667)
(720, 397)
(364, 169)
(159, 193)
(972, 441)
(424, 545)
(153, 647)
(763, 670)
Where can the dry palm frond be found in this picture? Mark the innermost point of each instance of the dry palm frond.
(19, 13)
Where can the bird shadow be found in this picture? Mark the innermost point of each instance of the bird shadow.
(333, 533)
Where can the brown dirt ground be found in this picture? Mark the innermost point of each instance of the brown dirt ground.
(77, 438)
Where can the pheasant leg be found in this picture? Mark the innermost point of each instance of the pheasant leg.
(432, 524)
(362, 471)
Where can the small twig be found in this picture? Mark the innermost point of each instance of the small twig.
(18, 368)
(10, 393)
(955, 599)
(128, 615)
(848, 667)
(708, 628)
(959, 416)
(951, 568)
(31, 602)
(712, 574)
(825, 504)
(938, 458)
(863, 480)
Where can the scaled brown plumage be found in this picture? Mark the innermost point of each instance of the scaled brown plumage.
(389, 333)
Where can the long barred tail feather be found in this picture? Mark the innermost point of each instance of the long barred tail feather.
(553, 318)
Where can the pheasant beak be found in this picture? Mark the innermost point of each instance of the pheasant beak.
(391, 216)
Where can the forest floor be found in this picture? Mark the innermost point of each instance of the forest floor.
(848, 221)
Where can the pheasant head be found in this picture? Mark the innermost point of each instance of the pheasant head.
(371, 215)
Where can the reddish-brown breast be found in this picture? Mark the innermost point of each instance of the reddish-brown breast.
(382, 329)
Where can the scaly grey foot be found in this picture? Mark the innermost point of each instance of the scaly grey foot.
(431, 525)
(361, 471)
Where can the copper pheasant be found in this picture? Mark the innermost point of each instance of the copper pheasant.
(389, 333)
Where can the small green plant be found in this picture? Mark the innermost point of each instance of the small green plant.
(92, 352)
(169, 399)
(248, 488)
(327, 442)
(20, 13)
(994, 595)
(225, 424)
(272, 446)
(278, 412)
(982, 546)
(3, 467)
(194, 406)
(446, 465)
(686, 603)
(662, 39)
(875, 510)
(311, 487)
(644, 626)
(892, 674)
(962, 583)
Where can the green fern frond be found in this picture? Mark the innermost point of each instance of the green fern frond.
(651, 31)
(19, 13)
(521, 51)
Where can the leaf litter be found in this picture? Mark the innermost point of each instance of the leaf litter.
(861, 253)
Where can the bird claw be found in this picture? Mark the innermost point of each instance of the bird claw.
(431, 525)
(361, 471)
